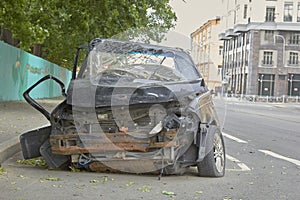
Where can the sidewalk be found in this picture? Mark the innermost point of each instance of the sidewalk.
(17, 117)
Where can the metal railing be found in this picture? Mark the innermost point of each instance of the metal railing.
(267, 99)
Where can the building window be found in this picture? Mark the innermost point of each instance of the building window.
(239, 41)
(298, 13)
(243, 39)
(270, 14)
(209, 32)
(245, 83)
(220, 50)
(245, 11)
(238, 58)
(247, 38)
(288, 12)
(231, 45)
(246, 57)
(266, 84)
(269, 35)
(294, 38)
(293, 58)
(219, 70)
(293, 85)
(268, 58)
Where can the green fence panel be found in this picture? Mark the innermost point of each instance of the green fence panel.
(19, 70)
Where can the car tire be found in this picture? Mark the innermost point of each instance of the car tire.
(213, 164)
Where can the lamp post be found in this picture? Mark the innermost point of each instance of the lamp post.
(261, 81)
(225, 82)
(291, 84)
(283, 47)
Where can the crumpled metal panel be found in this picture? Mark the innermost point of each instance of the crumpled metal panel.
(72, 144)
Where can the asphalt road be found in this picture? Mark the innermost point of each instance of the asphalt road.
(263, 162)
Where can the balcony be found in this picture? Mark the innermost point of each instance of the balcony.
(230, 33)
(223, 37)
(240, 28)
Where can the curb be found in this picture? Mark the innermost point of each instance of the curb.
(9, 148)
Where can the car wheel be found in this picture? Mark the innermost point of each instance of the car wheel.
(213, 164)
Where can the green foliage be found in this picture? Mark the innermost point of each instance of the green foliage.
(34, 162)
(2, 171)
(60, 26)
(73, 169)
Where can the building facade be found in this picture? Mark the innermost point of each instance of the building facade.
(261, 47)
(207, 53)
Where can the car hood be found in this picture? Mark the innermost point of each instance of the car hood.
(83, 93)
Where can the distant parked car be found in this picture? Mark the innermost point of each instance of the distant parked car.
(131, 107)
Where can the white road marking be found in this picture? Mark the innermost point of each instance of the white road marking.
(234, 138)
(243, 167)
(294, 161)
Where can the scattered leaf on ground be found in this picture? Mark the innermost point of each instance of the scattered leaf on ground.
(34, 162)
(104, 179)
(94, 181)
(21, 176)
(73, 169)
(167, 192)
(80, 185)
(50, 179)
(145, 188)
(57, 186)
(130, 183)
(199, 192)
(2, 171)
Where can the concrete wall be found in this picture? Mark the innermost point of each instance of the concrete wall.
(19, 70)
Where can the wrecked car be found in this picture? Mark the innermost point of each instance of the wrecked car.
(130, 107)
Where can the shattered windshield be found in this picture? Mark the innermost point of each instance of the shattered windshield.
(109, 61)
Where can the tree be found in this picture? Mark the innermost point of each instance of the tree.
(60, 26)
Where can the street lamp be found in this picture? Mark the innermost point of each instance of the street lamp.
(225, 82)
(291, 84)
(261, 80)
(283, 47)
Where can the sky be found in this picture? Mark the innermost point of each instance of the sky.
(191, 14)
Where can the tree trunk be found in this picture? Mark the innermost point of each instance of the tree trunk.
(6, 36)
(37, 50)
